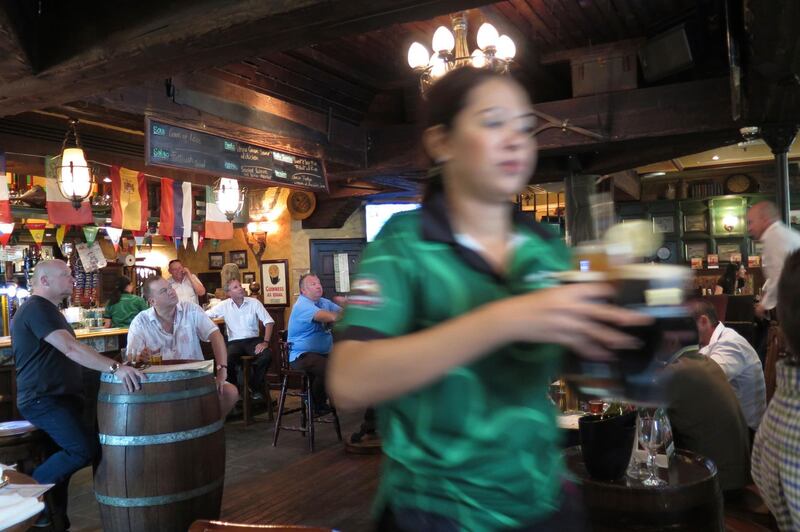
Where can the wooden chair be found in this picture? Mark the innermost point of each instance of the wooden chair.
(202, 525)
(297, 383)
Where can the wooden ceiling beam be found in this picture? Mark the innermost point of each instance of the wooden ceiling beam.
(204, 34)
(14, 61)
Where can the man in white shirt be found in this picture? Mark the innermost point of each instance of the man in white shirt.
(174, 328)
(737, 358)
(763, 223)
(242, 315)
(185, 283)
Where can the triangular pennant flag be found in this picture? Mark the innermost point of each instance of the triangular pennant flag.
(37, 232)
(139, 239)
(195, 239)
(90, 232)
(5, 233)
(177, 242)
(185, 243)
(61, 232)
(200, 242)
(114, 234)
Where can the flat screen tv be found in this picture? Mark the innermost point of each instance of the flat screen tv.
(379, 213)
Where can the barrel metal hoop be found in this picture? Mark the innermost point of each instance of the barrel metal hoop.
(158, 439)
(140, 502)
(167, 376)
(139, 398)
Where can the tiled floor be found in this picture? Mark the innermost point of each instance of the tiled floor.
(250, 457)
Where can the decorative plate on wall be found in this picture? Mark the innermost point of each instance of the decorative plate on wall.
(301, 204)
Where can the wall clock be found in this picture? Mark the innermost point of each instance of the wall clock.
(301, 204)
(739, 184)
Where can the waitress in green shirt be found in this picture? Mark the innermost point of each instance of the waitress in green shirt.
(123, 305)
(453, 325)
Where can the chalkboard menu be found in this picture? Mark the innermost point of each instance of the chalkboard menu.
(179, 147)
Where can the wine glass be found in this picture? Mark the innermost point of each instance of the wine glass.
(652, 434)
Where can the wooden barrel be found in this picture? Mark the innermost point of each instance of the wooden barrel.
(163, 461)
(691, 501)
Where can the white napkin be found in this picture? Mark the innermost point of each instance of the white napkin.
(15, 509)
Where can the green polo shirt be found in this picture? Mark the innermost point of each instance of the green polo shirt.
(123, 311)
(481, 444)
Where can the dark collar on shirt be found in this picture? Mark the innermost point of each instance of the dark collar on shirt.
(436, 227)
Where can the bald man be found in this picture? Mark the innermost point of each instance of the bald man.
(48, 360)
(763, 223)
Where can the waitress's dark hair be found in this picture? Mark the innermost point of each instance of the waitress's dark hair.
(444, 100)
(119, 289)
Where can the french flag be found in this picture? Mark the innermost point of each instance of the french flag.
(176, 208)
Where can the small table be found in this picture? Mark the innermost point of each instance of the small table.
(16, 477)
(692, 499)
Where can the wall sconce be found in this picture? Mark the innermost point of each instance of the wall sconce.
(74, 176)
(729, 222)
(256, 236)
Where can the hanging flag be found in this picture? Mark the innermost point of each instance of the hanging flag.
(185, 243)
(217, 225)
(90, 232)
(61, 232)
(200, 242)
(37, 232)
(129, 208)
(139, 239)
(176, 208)
(5, 233)
(195, 240)
(114, 233)
(177, 243)
(59, 208)
(5, 204)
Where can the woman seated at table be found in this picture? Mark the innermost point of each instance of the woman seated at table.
(123, 305)
(730, 281)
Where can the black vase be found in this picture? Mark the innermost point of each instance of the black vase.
(606, 444)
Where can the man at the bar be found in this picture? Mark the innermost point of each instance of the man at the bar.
(185, 283)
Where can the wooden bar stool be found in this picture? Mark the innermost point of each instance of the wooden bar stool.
(297, 383)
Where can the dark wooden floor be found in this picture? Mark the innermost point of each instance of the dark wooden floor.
(288, 485)
(284, 484)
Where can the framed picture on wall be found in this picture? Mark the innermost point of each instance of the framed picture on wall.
(238, 257)
(248, 277)
(275, 282)
(695, 223)
(216, 261)
(695, 250)
(726, 250)
(663, 224)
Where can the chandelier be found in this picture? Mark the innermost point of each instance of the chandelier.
(229, 197)
(450, 51)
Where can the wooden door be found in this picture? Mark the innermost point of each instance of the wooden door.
(322, 252)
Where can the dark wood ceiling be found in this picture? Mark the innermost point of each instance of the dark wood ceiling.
(329, 77)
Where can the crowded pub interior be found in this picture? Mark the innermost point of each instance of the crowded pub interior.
(400, 265)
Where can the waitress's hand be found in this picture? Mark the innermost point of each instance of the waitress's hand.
(573, 316)
(131, 377)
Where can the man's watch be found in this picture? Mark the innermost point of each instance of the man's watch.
(113, 368)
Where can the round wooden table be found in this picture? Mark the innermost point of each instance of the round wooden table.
(14, 477)
(691, 499)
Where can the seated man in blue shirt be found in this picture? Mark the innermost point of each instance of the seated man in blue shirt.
(310, 335)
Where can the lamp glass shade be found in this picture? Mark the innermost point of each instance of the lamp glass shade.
(487, 36)
(478, 59)
(417, 56)
(443, 40)
(229, 197)
(75, 179)
(438, 65)
(506, 49)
